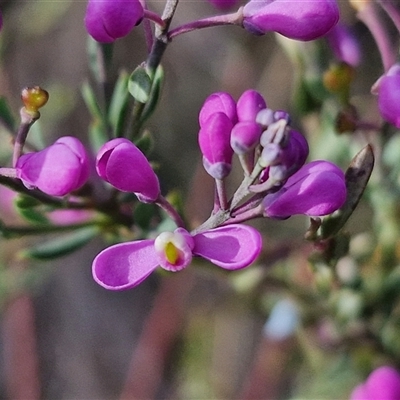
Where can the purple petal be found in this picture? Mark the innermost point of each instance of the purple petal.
(384, 383)
(218, 102)
(122, 164)
(389, 96)
(125, 265)
(245, 136)
(108, 20)
(318, 188)
(249, 105)
(360, 392)
(299, 20)
(229, 247)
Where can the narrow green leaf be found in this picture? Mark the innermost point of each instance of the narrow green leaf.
(62, 245)
(154, 95)
(357, 177)
(22, 201)
(90, 100)
(119, 105)
(139, 84)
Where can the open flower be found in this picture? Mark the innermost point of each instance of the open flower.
(124, 166)
(125, 265)
(56, 170)
(299, 20)
(318, 188)
(382, 383)
(108, 20)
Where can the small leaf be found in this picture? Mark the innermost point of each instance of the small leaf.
(91, 102)
(145, 143)
(119, 105)
(97, 136)
(22, 201)
(154, 95)
(357, 176)
(62, 245)
(139, 84)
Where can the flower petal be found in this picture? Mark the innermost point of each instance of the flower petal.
(230, 247)
(125, 265)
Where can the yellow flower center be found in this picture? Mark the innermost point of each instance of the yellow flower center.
(171, 253)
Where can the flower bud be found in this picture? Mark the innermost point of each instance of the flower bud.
(299, 20)
(214, 142)
(388, 88)
(245, 136)
(33, 99)
(124, 166)
(218, 102)
(56, 170)
(318, 188)
(223, 4)
(108, 20)
(249, 105)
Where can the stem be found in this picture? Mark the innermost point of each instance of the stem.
(219, 20)
(248, 214)
(152, 16)
(27, 120)
(172, 213)
(221, 193)
(369, 16)
(392, 11)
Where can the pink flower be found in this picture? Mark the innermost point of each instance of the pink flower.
(218, 102)
(214, 142)
(56, 170)
(249, 105)
(223, 4)
(382, 384)
(125, 265)
(245, 136)
(299, 20)
(318, 188)
(108, 20)
(388, 87)
(124, 166)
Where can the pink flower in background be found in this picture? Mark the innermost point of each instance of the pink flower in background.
(345, 45)
(299, 20)
(108, 20)
(318, 188)
(388, 88)
(125, 265)
(223, 4)
(56, 170)
(382, 384)
(124, 166)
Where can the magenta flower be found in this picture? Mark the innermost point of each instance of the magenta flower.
(345, 45)
(382, 384)
(388, 88)
(223, 4)
(318, 188)
(125, 265)
(245, 136)
(108, 20)
(249, 105)
(214, 142)
(218, 102)
(124, 166)
(56, 170)
(299, 20)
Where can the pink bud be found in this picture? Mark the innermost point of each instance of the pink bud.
(124, 166)
(214, 142)
(218, 102)
(318, 188)
(249, 105)
(58, 169)
(245, 136)
(223, 4)
(299, 20)
(388, 88)
(108, 20)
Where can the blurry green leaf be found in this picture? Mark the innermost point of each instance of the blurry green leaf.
(139, 84)
(145, 143)
(357, 176)
(154, 95)
(22, 201)
(62, 245)
(91, 102)
(119, 105)
(97, 136)
(6, 115)
(143, 215)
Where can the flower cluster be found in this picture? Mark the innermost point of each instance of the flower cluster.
(277, 184)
